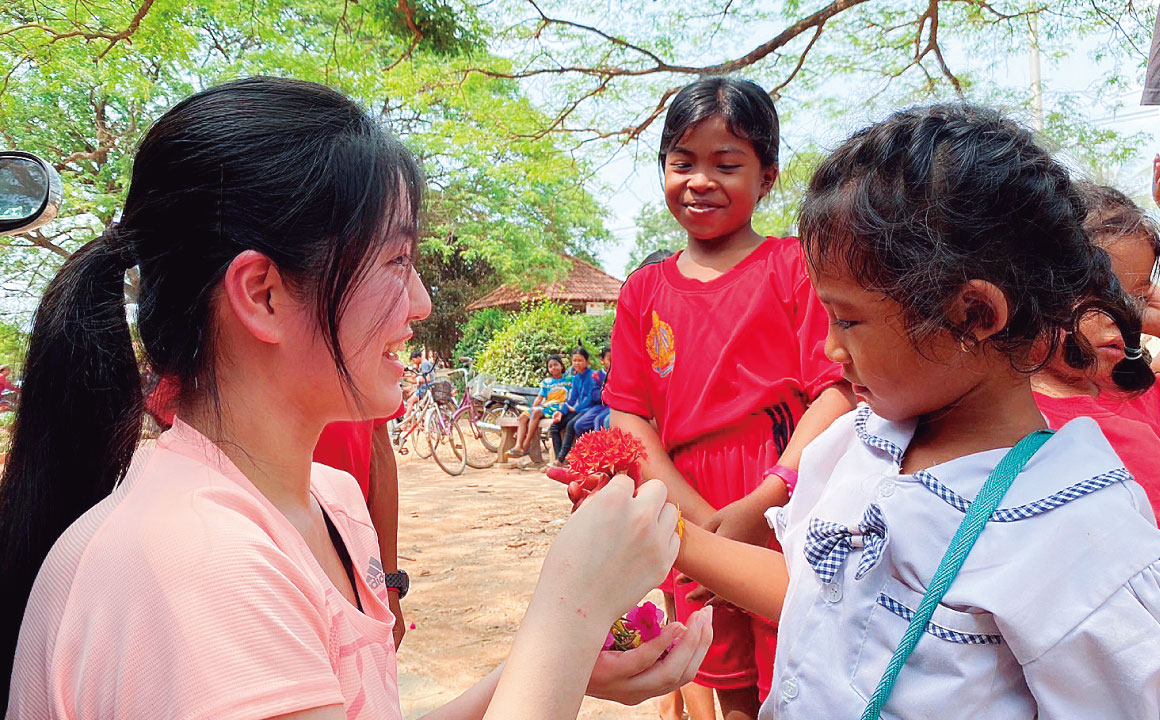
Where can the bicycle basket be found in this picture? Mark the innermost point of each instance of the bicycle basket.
(441, 392)
(481, 386)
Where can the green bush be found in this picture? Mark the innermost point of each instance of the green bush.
(517, 354)
(597, 334)
(478, 330)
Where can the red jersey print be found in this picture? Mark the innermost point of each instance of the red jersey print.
(751, 346)
(661, 346)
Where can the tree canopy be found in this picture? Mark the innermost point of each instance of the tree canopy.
(513, 106)
(82, 81)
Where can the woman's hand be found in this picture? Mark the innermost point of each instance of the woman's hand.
(557, 416)
(636, 675)
(614, 549)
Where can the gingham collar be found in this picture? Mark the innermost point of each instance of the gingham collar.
(1075, 462)
(883, 436)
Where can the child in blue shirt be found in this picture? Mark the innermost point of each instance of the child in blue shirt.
(585, 385)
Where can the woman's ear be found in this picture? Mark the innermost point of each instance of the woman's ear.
(981, 309)
(257, 296)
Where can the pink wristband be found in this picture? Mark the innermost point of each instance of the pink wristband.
(788, 475)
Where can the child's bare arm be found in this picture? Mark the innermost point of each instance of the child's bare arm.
(751, 577)
(744, 519)
(659, 465)
(834, 402)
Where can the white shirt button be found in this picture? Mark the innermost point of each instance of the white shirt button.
(832, 592)
(886, 488)
(789, 689)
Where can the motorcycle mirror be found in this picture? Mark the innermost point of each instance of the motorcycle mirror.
(30, 192)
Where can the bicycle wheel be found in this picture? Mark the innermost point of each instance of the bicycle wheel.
(490, 433)
(399, 428)
(478, 455)
(421, 435)
(448, 446)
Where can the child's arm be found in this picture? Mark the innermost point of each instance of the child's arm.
(744, 519)
(658, 464)
(751, 577)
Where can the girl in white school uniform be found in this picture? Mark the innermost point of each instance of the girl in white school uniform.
(947, 249)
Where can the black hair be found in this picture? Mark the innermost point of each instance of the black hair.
(605, 351)
(923, 202)
(581, 350)
(290, 169)
(555, 358)
(416, 354)
(1111, 215)
(748, 111)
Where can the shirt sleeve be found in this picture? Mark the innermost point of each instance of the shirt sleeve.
(624, 390)
(210, 620)
(1109, 665)
(812, 323)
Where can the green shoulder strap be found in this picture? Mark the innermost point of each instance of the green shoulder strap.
(984, 504)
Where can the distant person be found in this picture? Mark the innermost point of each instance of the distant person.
(553, 395)
(580, 398)
(9, 390)
(421, 374)
(597, 416)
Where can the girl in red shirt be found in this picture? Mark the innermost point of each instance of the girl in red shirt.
(721, 346)
(1064, 392)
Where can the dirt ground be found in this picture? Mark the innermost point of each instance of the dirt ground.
(473, 545)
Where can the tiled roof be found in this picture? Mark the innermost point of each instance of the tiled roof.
(584, 283)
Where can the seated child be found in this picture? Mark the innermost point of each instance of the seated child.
(554, 391)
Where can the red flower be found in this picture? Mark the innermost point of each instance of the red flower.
(599, 455)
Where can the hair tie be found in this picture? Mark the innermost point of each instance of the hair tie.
(1133, 353)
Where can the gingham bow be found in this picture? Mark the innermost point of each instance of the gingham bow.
(828, 543)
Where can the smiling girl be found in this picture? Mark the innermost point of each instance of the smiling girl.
(217, 573)
(721, 346)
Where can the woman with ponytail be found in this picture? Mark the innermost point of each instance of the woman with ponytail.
(1102, 371)
(217, 573)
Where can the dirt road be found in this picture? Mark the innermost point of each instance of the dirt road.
(473, 545)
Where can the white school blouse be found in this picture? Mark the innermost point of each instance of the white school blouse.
(1055, 614)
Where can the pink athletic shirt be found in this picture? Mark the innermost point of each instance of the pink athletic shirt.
(186, 594)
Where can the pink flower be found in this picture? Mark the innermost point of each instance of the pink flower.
(609, 642)
(647, 619)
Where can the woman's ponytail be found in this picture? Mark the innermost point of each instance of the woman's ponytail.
(79, 419)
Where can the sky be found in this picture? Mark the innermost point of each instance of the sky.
(631, 177)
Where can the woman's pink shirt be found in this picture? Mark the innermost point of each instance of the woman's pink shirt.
(186, 594)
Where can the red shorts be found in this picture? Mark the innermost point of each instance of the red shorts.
(722, 468)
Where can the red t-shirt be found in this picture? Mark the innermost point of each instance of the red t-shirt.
(346, 446)
(703, 357)
(1131, 426)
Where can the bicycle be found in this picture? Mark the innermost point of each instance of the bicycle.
(444, 436)
(483, 437)
(413, 426)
